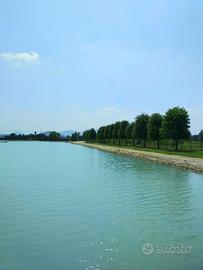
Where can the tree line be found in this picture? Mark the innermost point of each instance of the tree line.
(53, 136)
(146, 129)
(153, 130)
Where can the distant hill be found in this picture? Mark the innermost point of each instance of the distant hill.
(67, 133)
(16, 132)
(46, 133)
(62, 133)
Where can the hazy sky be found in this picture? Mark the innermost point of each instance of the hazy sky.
(76, 64)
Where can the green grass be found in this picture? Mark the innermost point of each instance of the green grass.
(185, 153)
(194, 154)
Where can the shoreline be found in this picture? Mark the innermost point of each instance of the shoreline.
(192, 164)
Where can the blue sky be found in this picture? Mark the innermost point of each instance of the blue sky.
(69, 64)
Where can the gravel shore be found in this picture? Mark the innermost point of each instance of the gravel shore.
(193, 164)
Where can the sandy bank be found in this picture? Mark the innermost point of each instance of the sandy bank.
(193, 164)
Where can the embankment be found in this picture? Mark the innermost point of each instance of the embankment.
(193, 164)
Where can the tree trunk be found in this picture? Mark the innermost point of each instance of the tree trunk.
(158, 144)
(166, 144)
(176, 144)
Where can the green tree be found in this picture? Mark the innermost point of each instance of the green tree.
(115, 131)
(133, 133)
(140, 128)
(110, 132)
(84, 136)
(128, 132)
(154, 127)
(92, 134)
(13, 136)
(75, 136)
(201, 138)
(106, 131)
(100, 134)
(54, 136)
(122, 131)
(176, 124)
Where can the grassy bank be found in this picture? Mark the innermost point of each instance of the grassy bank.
(185, 153)
(172, 159)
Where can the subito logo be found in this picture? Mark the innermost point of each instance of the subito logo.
(147, 249)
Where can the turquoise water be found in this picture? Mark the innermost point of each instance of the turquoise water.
(67, 207)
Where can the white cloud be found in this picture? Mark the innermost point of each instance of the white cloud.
(18, 58)
(108, 115)
(109, 111)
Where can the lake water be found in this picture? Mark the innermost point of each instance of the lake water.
(68, 207)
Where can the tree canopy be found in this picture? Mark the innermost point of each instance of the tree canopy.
(54, 136)
(176, 124)
(154, 127)
(201, 135)
(169, 129)
(140, 127)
